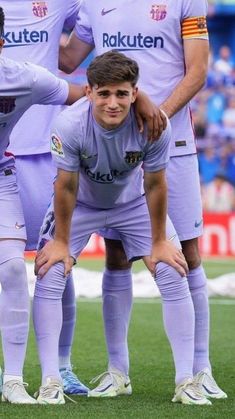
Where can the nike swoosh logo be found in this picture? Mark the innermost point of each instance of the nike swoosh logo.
(104, 12)
(208, 390)
(127, 384)
(197, 224)
(18, 226)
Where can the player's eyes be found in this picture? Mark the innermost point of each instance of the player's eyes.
(122, 94)
(103, 94)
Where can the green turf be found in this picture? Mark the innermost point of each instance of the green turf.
(151, 371)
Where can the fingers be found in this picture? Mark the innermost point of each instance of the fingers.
(151, 129)
(68, 264)
(44, 269)
(179, 268)
(36, 269)
(156, 125)
(140, 123)
(164, 119)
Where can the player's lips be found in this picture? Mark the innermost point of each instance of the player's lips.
(113, 113)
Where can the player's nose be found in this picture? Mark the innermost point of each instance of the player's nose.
(113, 102)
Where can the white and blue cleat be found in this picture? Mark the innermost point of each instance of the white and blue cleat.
(71, 383)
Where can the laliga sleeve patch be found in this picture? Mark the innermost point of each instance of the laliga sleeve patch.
(56, 146)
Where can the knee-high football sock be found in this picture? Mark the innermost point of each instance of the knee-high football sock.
(117, 305)
(47, 317)
(14, 306)
(198, 287)
(178, 317)
(68, 324)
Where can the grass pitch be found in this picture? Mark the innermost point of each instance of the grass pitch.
(151, 366)
(151, 372)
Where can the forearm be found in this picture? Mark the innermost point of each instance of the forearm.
(196, 64)
(156, 197)
(64, 203)
(183, 93)
(66, 60)
(73, 53)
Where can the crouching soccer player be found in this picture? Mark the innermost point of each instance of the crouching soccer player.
(100, 153)
(21, 85)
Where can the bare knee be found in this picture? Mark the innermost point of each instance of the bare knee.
(115, 256)
(191, 253)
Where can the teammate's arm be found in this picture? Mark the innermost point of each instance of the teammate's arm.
(73, 53)
(57, 250)
(76, 91)
(147, 111)
(162, 249)
(196, 53)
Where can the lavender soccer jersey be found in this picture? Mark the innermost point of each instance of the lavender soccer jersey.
(152, 35)
(109, 162)
(31, 28)
(22, 85)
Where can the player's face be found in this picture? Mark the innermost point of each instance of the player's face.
(111, 103)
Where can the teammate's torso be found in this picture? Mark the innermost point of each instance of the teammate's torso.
(22, 85)
(15, 98)
(33, 30)
(32, 33)
(150, 34)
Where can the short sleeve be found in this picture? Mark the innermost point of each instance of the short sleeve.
(64, 145)
(83, 28)
(71, 15)
(193, 19)
(47, 88)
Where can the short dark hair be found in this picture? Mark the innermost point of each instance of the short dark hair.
(2, 21)
(112, 67)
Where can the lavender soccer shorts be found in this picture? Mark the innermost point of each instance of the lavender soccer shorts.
(12, 223)
(184, 196)
(131, 221)
(35, 175)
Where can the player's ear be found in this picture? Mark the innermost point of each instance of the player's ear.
(88, 91)
(134, 94)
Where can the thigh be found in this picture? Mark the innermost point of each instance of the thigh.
(35, 175)
(115, 254)
(85, 221)
(132, 221)
(12, 223)
(184, 196)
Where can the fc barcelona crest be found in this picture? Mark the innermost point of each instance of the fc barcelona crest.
(201, 23)
(133, 157)
(158, 12)
(7, 104)
(39, 8)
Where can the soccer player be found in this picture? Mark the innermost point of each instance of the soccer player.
(21, 85)
(33, 31)
(170, 43)
(101, 157)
